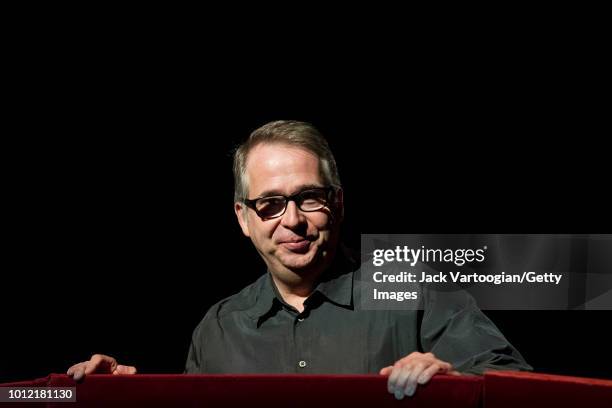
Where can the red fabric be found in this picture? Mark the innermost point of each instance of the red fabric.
(262, 390)
(521, 389)
(496, 390)
(39, 382)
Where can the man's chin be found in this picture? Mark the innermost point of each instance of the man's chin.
(298, 262)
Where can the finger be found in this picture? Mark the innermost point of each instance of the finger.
(73, 368)
(123, 369)
(70, 370)
(428, 373)
(411, 381)
(395, 372)
(400, 383)
(90, 367)
(79, 373)
(101, 364)
(386, 370)
(454, 372)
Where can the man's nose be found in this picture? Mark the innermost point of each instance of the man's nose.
(292, 216)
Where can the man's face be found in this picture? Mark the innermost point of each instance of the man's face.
(298, 242)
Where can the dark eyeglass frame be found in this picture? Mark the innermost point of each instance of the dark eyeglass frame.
(297, 198)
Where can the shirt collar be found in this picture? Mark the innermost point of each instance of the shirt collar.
(266, 297)
(336, 285)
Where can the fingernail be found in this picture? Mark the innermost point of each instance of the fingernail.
(399, 395)
(421, 380)
(410, 391)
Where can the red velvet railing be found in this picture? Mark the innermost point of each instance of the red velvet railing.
(500, 389)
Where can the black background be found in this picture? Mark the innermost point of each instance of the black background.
(121, 231)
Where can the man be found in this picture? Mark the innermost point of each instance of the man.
(303, 316)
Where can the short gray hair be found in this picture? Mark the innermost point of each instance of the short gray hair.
(291, 133)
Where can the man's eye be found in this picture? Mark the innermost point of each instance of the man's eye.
(313, 196)
(270, 202)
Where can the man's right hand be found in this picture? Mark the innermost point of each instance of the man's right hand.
(99, 364)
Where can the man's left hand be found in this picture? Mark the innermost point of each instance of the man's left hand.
(415, 368)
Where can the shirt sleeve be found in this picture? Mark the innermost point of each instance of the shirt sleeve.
(454, 329)
(196, 363)
(208, 331)
(193, 365)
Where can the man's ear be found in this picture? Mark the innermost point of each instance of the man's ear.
(241, 213)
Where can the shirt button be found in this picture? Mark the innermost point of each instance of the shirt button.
(302, 364)
(300, 319)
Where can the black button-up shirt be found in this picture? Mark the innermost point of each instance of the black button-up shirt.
(255, 331)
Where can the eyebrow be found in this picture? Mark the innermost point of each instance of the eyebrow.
(274, 192)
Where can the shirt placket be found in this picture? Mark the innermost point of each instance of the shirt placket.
(302, 341)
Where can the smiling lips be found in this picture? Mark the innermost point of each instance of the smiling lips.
(298, 246)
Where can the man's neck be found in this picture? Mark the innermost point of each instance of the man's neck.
(295, 287)
(295, 293)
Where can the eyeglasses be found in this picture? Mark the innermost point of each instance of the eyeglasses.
(312, 199)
